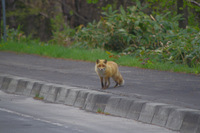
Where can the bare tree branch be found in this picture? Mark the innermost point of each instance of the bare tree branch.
(33, 6)
(194, 2)
(81, 17)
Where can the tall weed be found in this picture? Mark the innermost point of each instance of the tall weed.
(62, 34)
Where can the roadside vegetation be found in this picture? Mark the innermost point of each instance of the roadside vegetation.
(128, 36)
(38, 97)
(57, 51)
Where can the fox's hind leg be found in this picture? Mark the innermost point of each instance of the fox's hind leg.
(116, 84)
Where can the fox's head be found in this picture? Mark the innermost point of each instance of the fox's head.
(101, 64)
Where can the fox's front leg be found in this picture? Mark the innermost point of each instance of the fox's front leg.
(107, 80)
(102, 85)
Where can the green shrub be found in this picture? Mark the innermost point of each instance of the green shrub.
(17, 35)
(183, 47)
(140, 34)
(127, 30)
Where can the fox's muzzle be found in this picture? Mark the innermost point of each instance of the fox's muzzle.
(102, 69)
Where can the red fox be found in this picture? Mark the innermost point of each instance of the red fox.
(106, 69)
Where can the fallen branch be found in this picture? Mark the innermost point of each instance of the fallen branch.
(194, 2)
(156, 21)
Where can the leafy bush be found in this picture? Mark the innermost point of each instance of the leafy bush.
(17, 35)
(142, 35)
(183, 47)
(123, 31)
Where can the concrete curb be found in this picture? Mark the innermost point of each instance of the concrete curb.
(175, 118)
(96, 101)
(148, 111)
(135, 109)
(119, 106)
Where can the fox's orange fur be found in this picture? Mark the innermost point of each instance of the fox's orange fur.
(106, 70)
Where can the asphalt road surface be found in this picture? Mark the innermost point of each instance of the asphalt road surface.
(20, 114)
(158, 86)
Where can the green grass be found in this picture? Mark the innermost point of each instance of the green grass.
(38, 97)
(57, 51)
(54, 51)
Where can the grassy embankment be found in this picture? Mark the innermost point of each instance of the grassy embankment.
(57, 51)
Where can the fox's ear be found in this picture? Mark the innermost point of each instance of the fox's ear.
(105, 61)
(97, 61)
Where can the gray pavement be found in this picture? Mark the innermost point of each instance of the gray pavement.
(21, 114)
(157, 86)
(12, 122)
